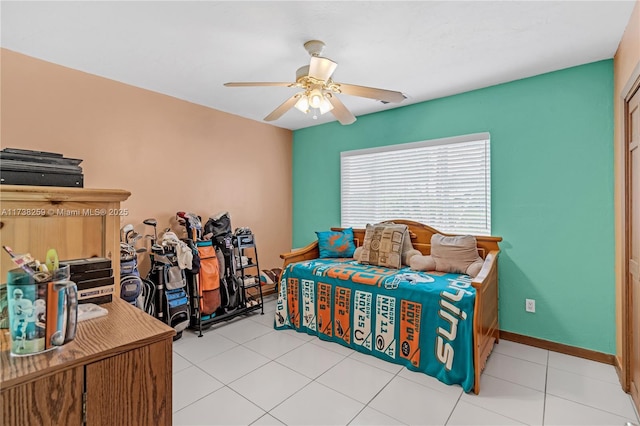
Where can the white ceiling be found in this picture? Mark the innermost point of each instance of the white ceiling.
(425, 49)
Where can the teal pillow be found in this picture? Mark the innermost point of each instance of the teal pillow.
(336, 243)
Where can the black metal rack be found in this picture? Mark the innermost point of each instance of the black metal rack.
(249, 280)
(240, 243)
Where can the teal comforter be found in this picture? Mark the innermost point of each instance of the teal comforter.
(423, 321)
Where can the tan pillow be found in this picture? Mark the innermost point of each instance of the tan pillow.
(422, 263)
(382, 245)
(407, 247)
(357, 253)
(457, 254)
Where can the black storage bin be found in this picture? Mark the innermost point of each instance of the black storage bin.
(38, 168)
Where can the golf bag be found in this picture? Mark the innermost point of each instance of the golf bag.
(208, 279)
(219, 227)
(172, 302)
(131, 285)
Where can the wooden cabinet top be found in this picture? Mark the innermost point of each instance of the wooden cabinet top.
(125, 328)
(60, 194)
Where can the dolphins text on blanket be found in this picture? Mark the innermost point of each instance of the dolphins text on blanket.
(452, 315)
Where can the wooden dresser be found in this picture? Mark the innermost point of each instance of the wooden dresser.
(77, 222)
(117, 371)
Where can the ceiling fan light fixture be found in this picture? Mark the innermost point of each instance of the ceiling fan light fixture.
(315, 98)
(303, 104)
(325, 105)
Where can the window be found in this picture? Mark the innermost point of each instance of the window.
(444, 183)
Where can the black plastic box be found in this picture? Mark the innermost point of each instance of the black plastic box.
(93, 277)
(39, 168)
(77, 266)
(13, 177)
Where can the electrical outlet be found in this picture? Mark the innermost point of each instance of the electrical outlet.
(530, 305)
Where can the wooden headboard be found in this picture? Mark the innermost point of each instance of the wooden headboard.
(421, 237)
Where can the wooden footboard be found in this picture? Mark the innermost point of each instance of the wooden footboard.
(485, 320)
(486, 326)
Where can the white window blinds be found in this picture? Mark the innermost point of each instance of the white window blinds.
(444, 183)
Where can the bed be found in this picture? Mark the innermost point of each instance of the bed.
(444, 325)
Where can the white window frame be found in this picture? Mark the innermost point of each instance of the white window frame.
(423, 190)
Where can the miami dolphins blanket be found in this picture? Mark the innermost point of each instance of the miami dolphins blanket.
(421, 320)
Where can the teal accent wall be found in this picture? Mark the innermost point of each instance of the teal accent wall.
(552, 191)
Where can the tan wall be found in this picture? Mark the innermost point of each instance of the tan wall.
(170, 154)
(626, 60)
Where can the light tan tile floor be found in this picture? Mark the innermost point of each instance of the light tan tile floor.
(243, 372)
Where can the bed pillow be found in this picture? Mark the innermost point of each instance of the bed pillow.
(407, 249)
(407, 246)
(336, 243)
(457, 254)
(382, 245)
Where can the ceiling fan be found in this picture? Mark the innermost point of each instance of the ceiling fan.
(319, 90)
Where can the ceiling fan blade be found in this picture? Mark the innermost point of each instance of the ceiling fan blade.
(286, 106)
(254, 84)
(371, 92)
(340, 111)
(321, 68)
